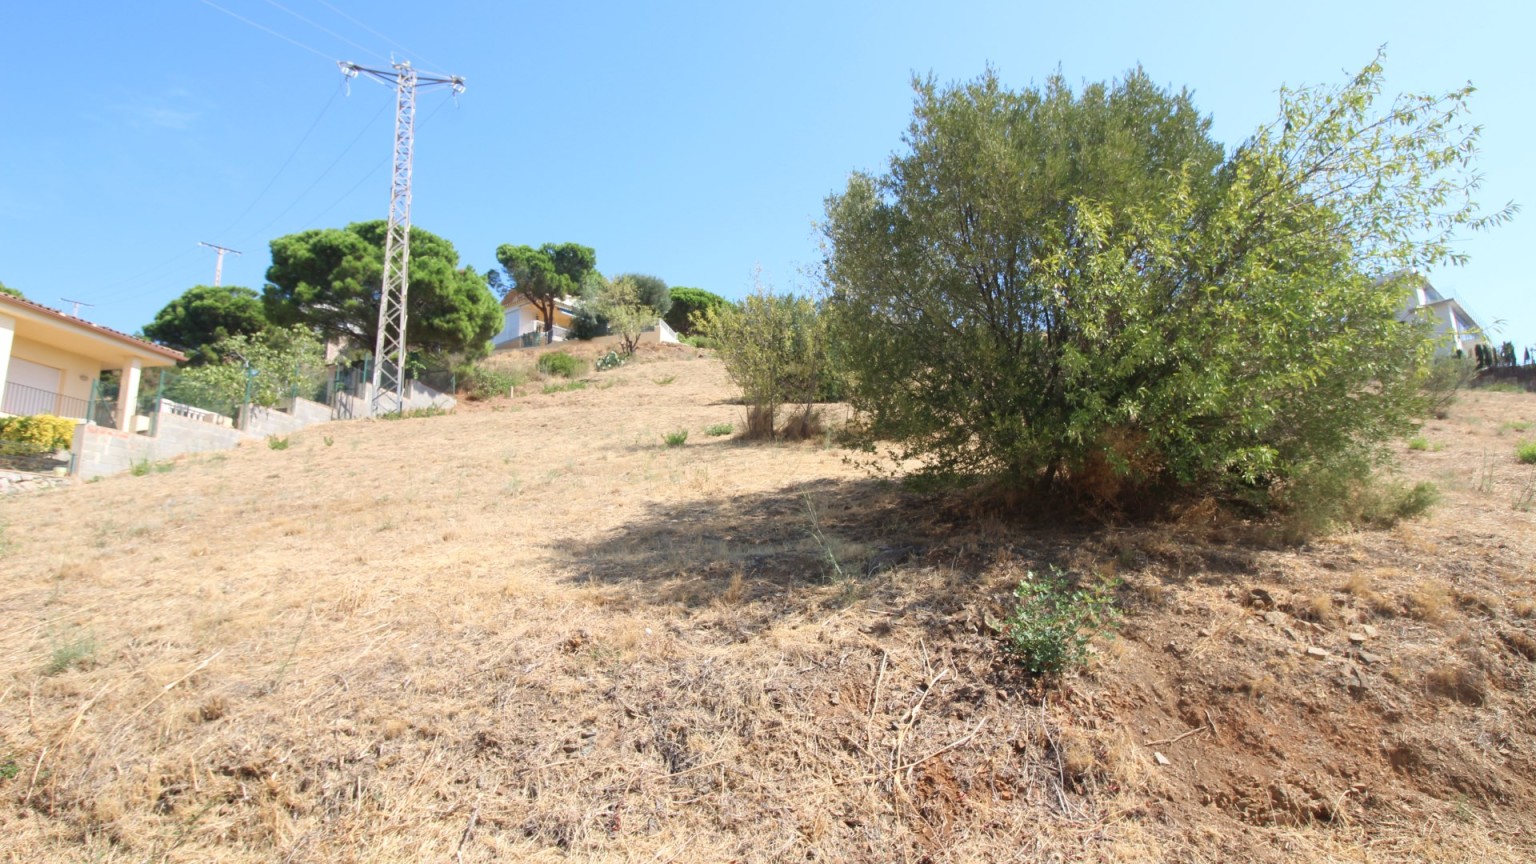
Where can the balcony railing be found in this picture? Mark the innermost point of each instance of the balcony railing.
(22, 400)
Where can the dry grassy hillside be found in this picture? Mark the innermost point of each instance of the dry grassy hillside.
(531, 631)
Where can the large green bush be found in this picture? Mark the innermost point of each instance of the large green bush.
(38, 432)
(1081, 295)
(562, 364)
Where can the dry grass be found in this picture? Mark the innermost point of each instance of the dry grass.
(528, 632)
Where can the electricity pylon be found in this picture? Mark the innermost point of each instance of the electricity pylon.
(218, 267)
(389, 348)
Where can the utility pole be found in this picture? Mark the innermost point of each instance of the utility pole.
(389, 349)
(78, 304)
(218, 267)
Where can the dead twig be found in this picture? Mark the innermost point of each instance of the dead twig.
(908, 766)
(874, 702)
(1177, 738)
(469, 832)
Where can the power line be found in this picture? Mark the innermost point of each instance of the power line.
(322, 29)
(263, 27)
(267, 188)
(323, 174)
(315, 220)
(373, 31)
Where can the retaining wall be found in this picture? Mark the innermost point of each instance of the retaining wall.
(99, 451)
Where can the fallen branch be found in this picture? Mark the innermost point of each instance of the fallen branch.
(957, 743)
(1177, 738)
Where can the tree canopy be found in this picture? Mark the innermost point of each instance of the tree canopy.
(204, 316)
(14, 292)
(650, 291)
(545, 275)
(330, 280)
(1081, 295)
(686, 302)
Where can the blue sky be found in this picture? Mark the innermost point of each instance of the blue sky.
(694, 141)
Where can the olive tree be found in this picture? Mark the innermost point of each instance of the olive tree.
(1081, 295)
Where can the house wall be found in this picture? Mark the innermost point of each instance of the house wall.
(75, 366)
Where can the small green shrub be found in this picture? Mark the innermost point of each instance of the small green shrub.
(76, 651)
(481, 384)
(703, 342)
(328, 440)
(1516, 425)
(676, 439)
(664, 381)
(1526, 452)
(1053, 623)
(276, 443)
(562, 364)
(567, 386)
(415, 413)
(9, 769)
(40, 433)
(719, 429)
(139, 469)
(611, 360)
(1419, 442)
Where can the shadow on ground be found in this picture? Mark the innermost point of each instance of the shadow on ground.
(847, 533)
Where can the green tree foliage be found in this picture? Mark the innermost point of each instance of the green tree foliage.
(687, 302)
(774, 347)
(545, 275)
(1080, 295)
(651, 291)
(14, 292)
(261, 368)
(622, 305)
(204, 316)
(329, 280)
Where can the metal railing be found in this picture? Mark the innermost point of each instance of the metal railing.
(22, 400)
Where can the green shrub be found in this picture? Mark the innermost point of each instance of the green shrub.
(1526, 452)
(697, 341)
(587, 323)
(719, 429)
(562, 364)
(41, 433)
(664, 380)
(1418, 442)
(1052, 623)
(565, 387)
(77, 650)
(276, 443)
(676, 439)
(481, 383)
(611, 360)
(415, 413)
(775, 349)
(1084, 296)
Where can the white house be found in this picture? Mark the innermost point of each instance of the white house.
(1455, 328)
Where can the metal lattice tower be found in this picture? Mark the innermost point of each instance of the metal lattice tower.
(390, 347)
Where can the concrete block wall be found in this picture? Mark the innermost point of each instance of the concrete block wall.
(100, 451)
(267, 421)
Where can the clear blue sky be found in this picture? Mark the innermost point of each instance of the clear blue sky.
(689, 140)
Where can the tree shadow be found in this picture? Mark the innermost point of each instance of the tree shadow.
(800, 544)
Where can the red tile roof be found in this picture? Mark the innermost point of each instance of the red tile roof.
(86, 325)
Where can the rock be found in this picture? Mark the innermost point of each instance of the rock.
(1357, 638)
(1260, 598)
(1368, 658)
(1274, 619)
(1206, 632)
(1369, 631)
(1295, 637)
(836, 698)
(1160, 758)
(1315, 651)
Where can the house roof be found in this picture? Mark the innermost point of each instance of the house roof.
(54, 316)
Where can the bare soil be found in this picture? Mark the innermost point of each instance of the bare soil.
(533, 631)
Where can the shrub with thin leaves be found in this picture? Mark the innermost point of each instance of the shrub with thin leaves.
(562, 364)
(1053, 623)
(1082, 296)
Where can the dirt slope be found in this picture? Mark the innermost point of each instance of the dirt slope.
(530, 631)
